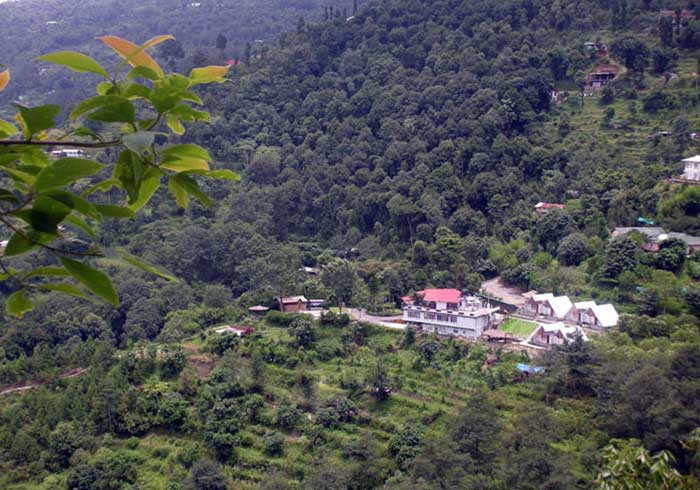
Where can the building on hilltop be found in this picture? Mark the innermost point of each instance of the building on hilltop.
(449, 312)
(691, 170)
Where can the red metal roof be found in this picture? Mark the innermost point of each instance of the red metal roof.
(441, 295)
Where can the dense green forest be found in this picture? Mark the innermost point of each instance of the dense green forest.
(402, 148)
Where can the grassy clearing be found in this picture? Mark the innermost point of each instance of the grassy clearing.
(521, 328)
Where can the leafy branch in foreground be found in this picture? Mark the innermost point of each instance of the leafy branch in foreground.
(38, 202)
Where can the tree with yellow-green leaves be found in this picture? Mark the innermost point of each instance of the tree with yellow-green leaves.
(42, 210)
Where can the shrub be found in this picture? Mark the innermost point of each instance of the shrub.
(280, 319)
(273, 443)
(288, 417)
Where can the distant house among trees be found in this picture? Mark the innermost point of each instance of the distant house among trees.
(692, 169)
(601, 75)
(679, 18)
(293, 304)
(548, 334)
(237, 330)
(654, 236)
(542, 208)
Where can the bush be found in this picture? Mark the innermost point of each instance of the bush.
(280, 319)
(288, 417)
(273, 443)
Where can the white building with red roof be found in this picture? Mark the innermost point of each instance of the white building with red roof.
(449, 312)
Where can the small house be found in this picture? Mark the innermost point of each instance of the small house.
(238, 330)
(68, 153)
(601, 75)
(589, 314)
(548, 334)
(542, 208)
(691, 170)
(292, 304)
(549, 306)
(678, 19)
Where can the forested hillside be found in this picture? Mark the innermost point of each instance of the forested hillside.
(399, 148)
(37, 27)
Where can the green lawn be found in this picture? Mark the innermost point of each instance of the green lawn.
(521, 328)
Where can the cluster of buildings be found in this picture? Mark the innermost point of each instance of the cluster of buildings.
(561, 309)
(451, 312)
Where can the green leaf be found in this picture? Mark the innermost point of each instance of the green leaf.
(47, 213)
(208, 74)
(17, 245)
(76, 203)
(64, 172)
(106, 108)
(74, 220)
(105, 88)
(18, 304)
(110, 211)
(83, 131)
(186, 150)
(76, 62)
(64, 288)
(20, 176)
(150, 182)
(128, 172)
(148, 268)
(6, 195)
(136, 90)
(182, 198)
(45, 271)
(142, 72)
(192, 188)
(222, 174)
(7, 129)
(101, 187)
(139, 142)
(187, 114)
(97, 282)
(175, 125)
(37, 119)
(184, 164)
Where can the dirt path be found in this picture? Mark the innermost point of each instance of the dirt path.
(497, 289)
(24, 386)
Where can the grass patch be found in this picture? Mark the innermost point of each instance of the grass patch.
(521, 328)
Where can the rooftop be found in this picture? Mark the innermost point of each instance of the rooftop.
(440, 295)
(606, 314)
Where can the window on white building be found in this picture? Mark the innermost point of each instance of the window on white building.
(443, 318)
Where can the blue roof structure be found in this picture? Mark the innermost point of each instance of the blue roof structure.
(526, 368)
